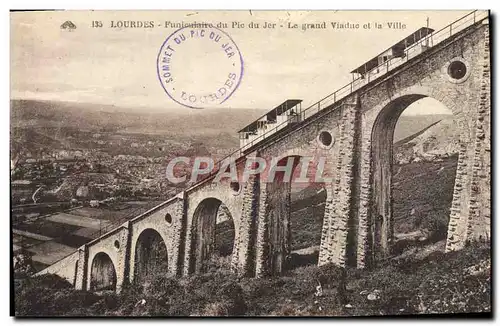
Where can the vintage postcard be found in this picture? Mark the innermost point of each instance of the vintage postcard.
(250, 163)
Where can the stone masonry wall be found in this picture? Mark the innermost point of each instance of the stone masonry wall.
(472, 191)
(167, 220)
(262, 249)
(81, 272)
(243, 260)
(67, 268)
(333, 248)
(364, 241)
(479, 203)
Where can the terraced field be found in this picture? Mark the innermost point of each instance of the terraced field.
(53, 236)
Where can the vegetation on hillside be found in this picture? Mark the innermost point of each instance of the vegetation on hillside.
(457, 282)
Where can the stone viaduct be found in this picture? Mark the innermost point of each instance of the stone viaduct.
(355, 133)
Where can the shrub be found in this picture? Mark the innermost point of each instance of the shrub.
(47, 302)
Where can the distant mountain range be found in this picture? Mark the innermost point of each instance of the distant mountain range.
(47, 124)
(92, 117)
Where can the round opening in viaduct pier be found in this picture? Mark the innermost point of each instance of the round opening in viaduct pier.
(325, 138)
(168, 218)
(457, 69)
(235, 186)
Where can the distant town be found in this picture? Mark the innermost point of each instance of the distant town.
(92, 175)
(70, 185)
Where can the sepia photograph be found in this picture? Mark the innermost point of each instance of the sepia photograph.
(250, 163)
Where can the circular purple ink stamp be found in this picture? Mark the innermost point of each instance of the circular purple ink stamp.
(199, 67)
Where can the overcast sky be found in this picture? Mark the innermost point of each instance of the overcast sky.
(118, 66)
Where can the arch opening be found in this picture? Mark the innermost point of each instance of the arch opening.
(151, 257)
(295, 210)
(103, 273)
(213, 236)
(414, 157)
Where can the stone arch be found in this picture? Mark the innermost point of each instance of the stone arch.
(297, 151)
(296, 154)
(204, 242)
(313, 151)
(151, 255)
(382, 135)
(103, 273)
(446, 94)
(372, 104)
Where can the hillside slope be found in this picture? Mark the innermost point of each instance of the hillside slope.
(92, 117)
(439, 139)
(457, 282)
